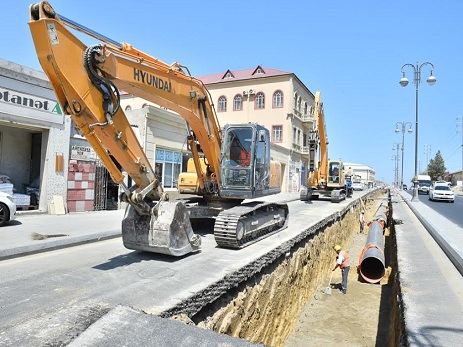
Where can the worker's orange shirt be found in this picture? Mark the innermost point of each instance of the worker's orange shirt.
(245, 158)
(346, 259)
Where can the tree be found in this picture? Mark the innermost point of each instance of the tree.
(436, 167)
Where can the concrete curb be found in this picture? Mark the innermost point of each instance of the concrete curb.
(55, 244)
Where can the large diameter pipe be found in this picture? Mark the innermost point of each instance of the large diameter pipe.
(371, 261)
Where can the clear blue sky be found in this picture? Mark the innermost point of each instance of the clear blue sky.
(351, 51)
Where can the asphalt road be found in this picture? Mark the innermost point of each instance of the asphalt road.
(453, 212)
(79, 283)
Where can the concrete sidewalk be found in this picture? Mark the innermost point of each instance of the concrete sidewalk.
(72, 229)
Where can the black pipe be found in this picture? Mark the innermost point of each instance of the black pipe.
(371, 261)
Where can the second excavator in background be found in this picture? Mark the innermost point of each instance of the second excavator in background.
(329, 178)
(228, 165)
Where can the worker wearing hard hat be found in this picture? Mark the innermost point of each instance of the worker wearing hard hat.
(342, 261)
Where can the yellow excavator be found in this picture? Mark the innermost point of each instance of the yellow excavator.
(329, 178)
(228, 165)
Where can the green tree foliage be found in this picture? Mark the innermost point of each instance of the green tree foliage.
(436, 167)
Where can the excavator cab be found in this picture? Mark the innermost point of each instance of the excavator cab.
(245, 162)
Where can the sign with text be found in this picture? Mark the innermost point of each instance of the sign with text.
(50, 108)
(83, 153)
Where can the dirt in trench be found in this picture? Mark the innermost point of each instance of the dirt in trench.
(359, 318)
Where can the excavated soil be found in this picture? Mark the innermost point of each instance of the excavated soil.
(287, 305)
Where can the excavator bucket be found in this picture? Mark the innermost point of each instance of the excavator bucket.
(167, 231)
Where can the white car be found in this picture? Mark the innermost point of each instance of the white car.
(357, 185)
(442, 183)
(7, 208)
(441, 192)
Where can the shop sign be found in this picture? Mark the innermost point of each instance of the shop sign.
(82, 153)
(51, 108)
(164, 155)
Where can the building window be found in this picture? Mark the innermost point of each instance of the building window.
(294, 135)
(222, 104)
(278, 99)
(144, 105)
(238, 103)
(260, 101)
(128, 108)
(277, 133)
(167, 167)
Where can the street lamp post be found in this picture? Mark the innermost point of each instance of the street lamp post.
(403, 125)
(404, 82)
(395, 147)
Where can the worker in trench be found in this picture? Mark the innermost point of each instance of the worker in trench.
(342, 261)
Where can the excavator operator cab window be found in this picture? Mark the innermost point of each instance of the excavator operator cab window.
(237, 156)
(334, 169)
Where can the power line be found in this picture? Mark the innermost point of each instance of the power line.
(455, 151)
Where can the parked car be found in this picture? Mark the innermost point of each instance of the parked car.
(7, 208)
(441, 192)
(357, 185)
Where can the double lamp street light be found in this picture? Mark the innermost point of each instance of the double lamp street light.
(404, 82)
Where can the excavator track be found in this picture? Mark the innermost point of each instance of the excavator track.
(242, 225)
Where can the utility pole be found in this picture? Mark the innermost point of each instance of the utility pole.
(427, 152)
(395, 147)
(460, 128)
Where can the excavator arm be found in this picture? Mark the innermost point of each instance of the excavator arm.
(319, 176)
(93, 102)
(86, 81)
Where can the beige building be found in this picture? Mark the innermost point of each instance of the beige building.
(363, 173)
(275, 99)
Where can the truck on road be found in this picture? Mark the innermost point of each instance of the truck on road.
(424, 183)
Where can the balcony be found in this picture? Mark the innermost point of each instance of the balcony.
(297, 148)
(308, 117)
(303, 150)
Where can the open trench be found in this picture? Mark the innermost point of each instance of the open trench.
(285, 303)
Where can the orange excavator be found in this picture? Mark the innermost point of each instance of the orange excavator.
(329, 178)
(228, 165)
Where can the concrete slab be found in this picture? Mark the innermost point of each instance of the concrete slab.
(123, 326)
